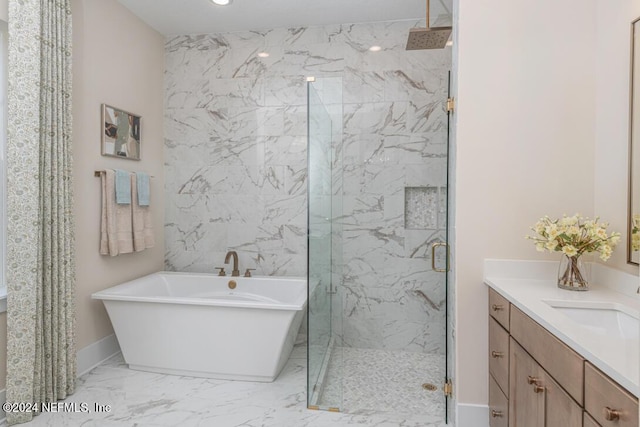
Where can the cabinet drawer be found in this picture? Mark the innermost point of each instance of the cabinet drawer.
(499, 355)
(565, 365)
(498, 406)
(589, 422)
(601, 394)
(499, 308)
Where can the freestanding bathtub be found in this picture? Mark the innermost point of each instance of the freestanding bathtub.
(196, 325)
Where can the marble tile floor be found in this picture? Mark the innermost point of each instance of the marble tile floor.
(149, 399)
(360, 380)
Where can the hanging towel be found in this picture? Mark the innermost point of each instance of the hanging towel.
(143, 188)
(123, 187)
(116, 234)
(143, 236)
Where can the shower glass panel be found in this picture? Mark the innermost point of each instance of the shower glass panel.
(378, 210)
(324, 237)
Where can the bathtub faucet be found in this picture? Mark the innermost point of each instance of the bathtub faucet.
(235, 271)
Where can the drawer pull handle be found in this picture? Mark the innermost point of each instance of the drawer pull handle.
(497, 307)
(496, 414)
(536, 384)
(611, 414)
(532, 380)
(497, 354)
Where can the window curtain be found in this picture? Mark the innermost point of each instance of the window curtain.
(41, 354)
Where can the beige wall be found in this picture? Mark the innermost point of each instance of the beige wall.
(4, 9)
(612, 117)
(117, 60)
(525, 145)
(123, 68)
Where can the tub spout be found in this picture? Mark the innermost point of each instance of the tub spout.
(234, 254)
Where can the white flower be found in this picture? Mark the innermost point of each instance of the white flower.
(552, 231)
(575, 235)
(569, 220)
(573, 231)
(601, 233)
(605, 252)
(551, 245)
(539, 227)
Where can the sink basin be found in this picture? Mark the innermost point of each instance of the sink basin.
(609, 319)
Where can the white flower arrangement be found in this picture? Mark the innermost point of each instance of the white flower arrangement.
(635, 233)
(574, 236)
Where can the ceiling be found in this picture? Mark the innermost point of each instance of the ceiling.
(172, 17)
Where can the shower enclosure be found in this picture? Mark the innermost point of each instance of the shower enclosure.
(324, 240)
(377, 240)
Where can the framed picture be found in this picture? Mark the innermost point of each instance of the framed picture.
(120, 133)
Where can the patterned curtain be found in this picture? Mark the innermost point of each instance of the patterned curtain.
(41, 354)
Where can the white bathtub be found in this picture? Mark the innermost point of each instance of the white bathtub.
(194, 324)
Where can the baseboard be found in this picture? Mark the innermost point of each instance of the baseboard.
(87, 359)
(472, 415)
(96, 353)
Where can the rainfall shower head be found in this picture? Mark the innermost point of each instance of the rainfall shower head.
(428, 38)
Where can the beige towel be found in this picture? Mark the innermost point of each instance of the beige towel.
(116, 234)
(143, 237)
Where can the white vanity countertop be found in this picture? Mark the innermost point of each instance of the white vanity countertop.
(617, 357)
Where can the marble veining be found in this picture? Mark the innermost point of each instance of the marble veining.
(152, 400)
(236, 166)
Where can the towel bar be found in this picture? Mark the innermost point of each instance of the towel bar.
(97, 174)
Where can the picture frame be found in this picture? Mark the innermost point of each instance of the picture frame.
(121, 133)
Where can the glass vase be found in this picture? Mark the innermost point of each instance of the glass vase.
(573, 274)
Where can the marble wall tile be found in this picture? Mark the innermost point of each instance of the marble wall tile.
(393, 319)
(237, 167)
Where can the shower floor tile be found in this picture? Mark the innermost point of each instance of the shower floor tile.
(362, 380)
(147, 399)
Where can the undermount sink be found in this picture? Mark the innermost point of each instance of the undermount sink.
(602, 318)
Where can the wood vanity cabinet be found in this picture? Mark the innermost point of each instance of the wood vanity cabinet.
(589, 422)
(535, 380)
(536, 399)
(607, 402)
(498, 360)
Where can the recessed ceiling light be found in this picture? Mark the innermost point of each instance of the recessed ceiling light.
(263, 54)
(221, 2)
(375, 48)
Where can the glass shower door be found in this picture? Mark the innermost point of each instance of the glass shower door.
(378, 295)
(321, 263)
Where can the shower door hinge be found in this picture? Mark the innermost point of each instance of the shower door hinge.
(451, 105)
(448, 388)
